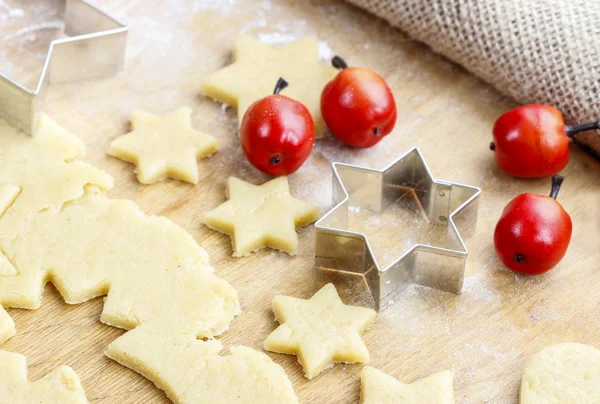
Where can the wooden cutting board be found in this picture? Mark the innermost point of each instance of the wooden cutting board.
(484, 335)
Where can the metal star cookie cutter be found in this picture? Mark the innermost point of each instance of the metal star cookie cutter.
(96, 48)
(444, 203)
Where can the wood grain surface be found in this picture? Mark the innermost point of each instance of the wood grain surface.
(483, 335)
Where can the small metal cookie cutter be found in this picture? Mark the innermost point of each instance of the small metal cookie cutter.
(96, 48)
(444, 203)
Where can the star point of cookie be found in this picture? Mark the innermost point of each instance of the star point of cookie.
(258, 216)
(321, 331)
(380, 388)
(164, 146)
(258, 66)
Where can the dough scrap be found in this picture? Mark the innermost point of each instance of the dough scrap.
(320, 331)
(60, 386)
(258, 216)
(567, 373)
(380, 388)
(7, 326)
(164, 146)
(61, 228)
(257, 68)
(192, 371)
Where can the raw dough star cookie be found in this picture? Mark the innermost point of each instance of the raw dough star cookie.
(321, 330)
(57, 225)
(379, 388)
(164, 146)
(61, 386)
(258, 216)
(257, 68)
(191, 371)
(562, 373)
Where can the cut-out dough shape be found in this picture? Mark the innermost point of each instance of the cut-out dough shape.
(60, 386)
(62, 228)
(258, 216)
(567, 373)
(380, 388)
(191, 371)
(321, 331)
(257, 68)
(7, 326)
(164, 146)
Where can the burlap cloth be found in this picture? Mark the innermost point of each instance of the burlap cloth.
(536, 51)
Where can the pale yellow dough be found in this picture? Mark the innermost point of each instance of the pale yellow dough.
(164, 146)
(7, 326)
(191, 371)
(57, 225)
(62, 228)
(258, 216)
(567, 373)
(379, 388)
(62, 386)
(320, 331)
(257, 68)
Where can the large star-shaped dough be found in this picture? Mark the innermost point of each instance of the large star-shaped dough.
(258, 216)
(257, 68)
(164, 146)
(61, 386)
(321, 330)
(379, 388)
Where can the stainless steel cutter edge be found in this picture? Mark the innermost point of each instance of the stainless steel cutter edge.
(449, 203)
(95, 48)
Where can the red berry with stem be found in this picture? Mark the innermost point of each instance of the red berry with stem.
(534, 232)
(277, 133)
(533, 141)
(358, 106)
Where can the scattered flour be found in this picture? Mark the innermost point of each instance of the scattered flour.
(224, 7)
(31, 29)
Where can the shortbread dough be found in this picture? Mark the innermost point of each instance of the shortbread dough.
(567, 373)
(7, 325)
(58, 225)
(257, 68)
(191, 371)
(61, 386)
(164, 146)
(380, 388)
(258, 216)
(321, 330)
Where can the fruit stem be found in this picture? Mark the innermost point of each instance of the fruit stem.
(492, 146)
(281, 84)
(557, 181)
(575, 129)
(338, 62)
(519, 258)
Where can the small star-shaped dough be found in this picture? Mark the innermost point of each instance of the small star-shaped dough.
(321, 330)
(258, 216)
(257, 68)
(164, 146)
(379, 388)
